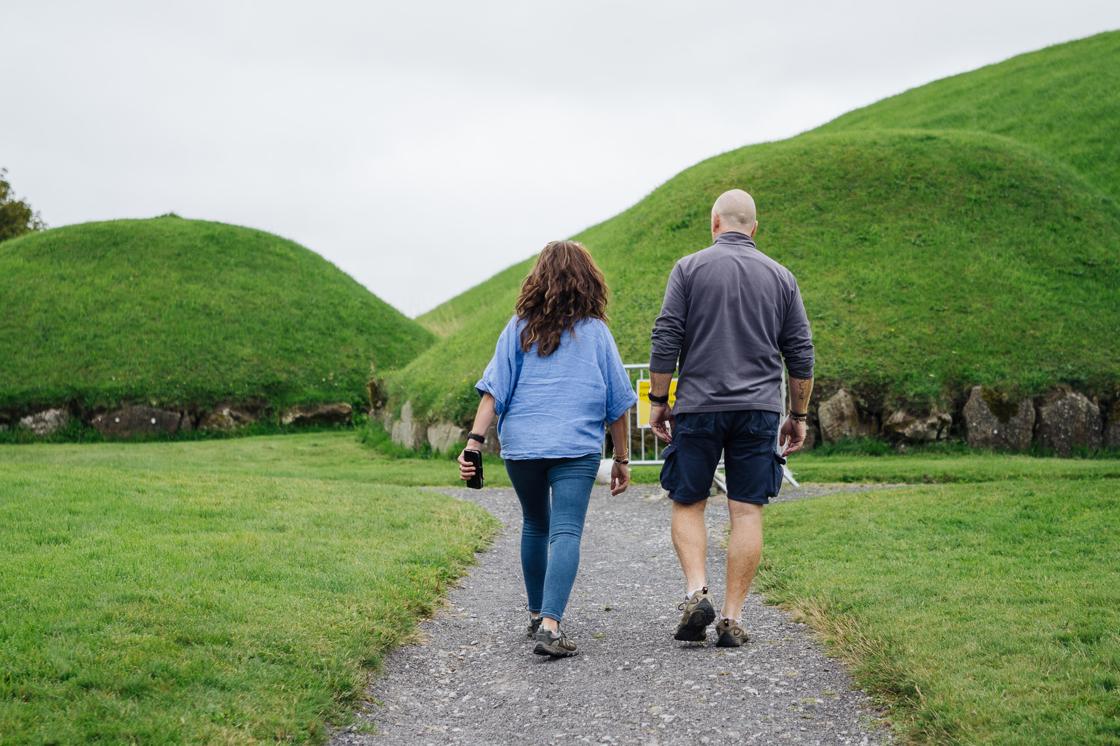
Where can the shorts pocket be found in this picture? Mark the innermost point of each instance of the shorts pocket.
(695, 423)
(669, 468)
(763, 423)
(776, 474)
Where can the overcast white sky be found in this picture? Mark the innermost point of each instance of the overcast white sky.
(423, 146)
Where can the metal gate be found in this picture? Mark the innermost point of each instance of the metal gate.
(648, 449)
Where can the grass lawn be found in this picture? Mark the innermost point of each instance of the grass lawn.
(979, 613)
(952, 467)
(241, 590)
(217, 591)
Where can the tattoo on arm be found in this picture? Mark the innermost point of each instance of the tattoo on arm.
(800, 389)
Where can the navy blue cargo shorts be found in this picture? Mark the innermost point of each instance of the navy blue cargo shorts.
(748, 441)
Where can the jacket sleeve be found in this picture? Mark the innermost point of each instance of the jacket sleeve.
(796, 339)
(499, 377)
(668, 330)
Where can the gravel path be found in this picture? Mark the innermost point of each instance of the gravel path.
(475, 680)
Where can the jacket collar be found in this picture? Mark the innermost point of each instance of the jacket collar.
(735, 238)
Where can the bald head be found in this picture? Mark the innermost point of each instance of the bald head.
(734, 211)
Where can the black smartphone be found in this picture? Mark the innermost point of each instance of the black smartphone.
(474, 457)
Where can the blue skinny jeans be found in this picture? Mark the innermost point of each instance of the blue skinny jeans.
(554, 493)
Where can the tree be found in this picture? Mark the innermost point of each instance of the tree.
(16, 216)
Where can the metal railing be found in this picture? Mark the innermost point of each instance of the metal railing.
(652, 456)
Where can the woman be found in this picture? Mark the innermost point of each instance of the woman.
(555, 379)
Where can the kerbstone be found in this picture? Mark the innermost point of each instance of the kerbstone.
(445, 437)
(138, 420)
(227, 416)
(918, 428)
(1112, 426)
(407, 431)
(1067, 420)
(47, 422)
(839, 418)
(338, 413)
(991, 420)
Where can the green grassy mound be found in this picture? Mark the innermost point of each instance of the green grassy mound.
(186, 312)
(929, 261)
(1062, 100)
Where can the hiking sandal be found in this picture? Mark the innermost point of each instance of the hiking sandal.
(697, 614)
(730, 634)
(557, 647)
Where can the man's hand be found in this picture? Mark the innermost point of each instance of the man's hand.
(661, 421)
(620, 478)
(466, 468)
(792, 436)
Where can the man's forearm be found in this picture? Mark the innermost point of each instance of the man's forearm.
(800, 389)
(659, 383)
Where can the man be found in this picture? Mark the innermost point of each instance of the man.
(731, 315)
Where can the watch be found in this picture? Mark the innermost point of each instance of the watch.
(476, 437)
(657, 399)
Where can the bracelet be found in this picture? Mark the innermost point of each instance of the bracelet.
(476, 437)
(798, 416)
(622, 461)
(654, 398)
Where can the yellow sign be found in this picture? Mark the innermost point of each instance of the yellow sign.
(643, 402)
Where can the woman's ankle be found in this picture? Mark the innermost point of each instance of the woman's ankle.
(550, 624)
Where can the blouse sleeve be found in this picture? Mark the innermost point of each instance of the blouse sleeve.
(620, 393)
(498, 378)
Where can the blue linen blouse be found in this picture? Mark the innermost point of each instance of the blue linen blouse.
(559, 405)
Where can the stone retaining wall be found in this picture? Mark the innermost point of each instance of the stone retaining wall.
(1061, 421)
(142, 420)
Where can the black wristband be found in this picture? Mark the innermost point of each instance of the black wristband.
(657, 399)
(476, 437)
(798, 416)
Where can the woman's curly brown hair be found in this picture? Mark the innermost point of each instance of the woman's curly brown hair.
(565, 286)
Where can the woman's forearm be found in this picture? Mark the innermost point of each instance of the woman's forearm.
(620, 438)
(484, 415)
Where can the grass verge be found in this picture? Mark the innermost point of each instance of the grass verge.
(216, 591)
(947, 467)
(978, 613)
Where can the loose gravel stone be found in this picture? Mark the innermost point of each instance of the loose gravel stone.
(474, 679)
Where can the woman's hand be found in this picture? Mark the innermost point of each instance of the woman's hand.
(466, 468)
(620, 478)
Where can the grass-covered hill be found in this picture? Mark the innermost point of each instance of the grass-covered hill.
(1062, 100)
(186, 312)
(931, 259)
